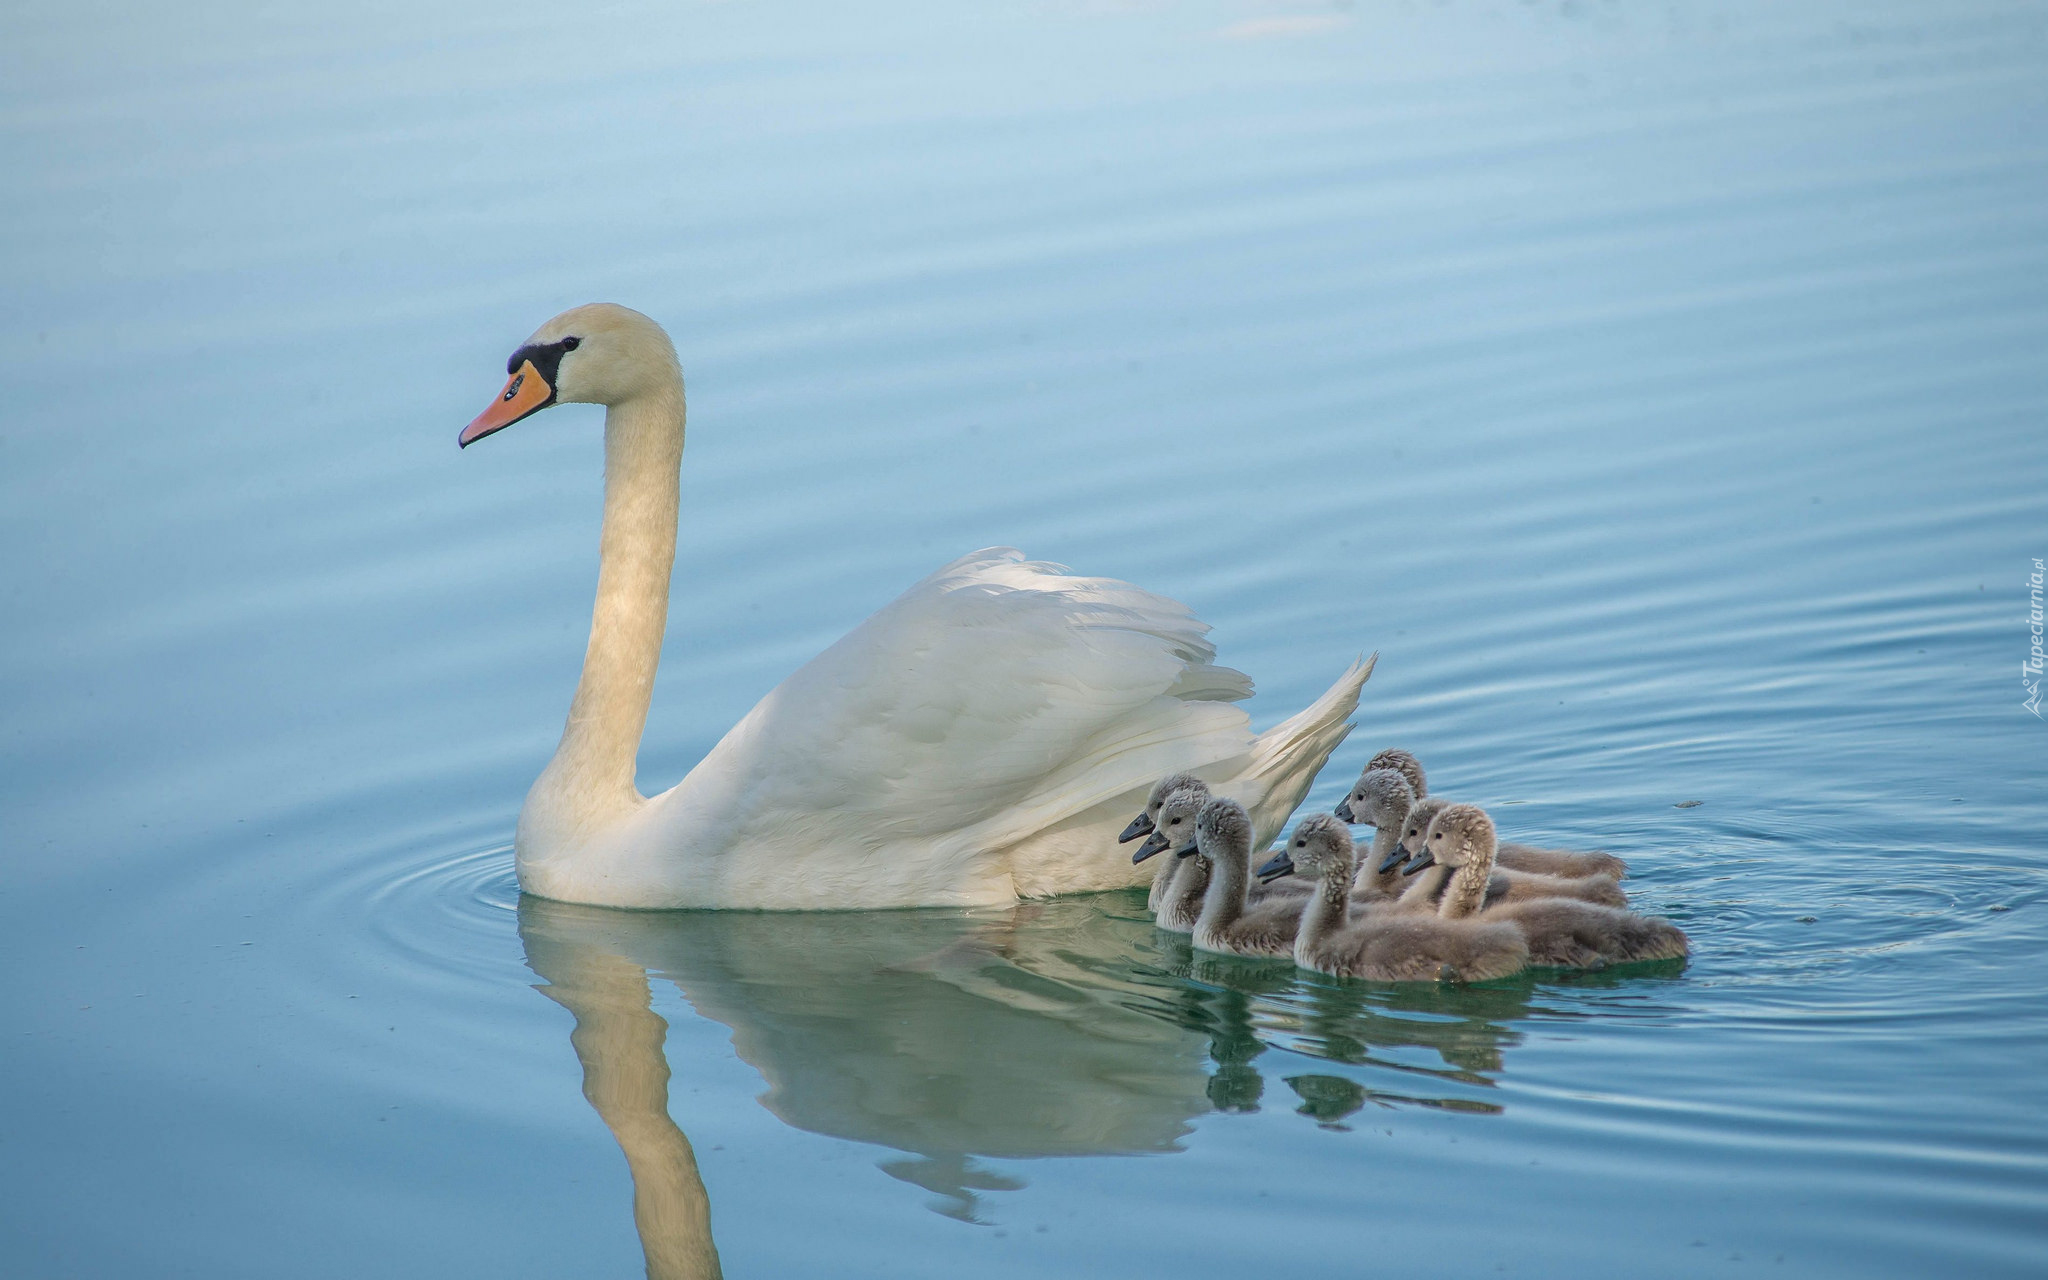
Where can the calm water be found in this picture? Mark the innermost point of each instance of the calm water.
(1661, 391)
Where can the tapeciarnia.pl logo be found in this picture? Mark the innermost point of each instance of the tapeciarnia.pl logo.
(2030, 670)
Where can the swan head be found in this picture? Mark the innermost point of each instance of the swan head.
(1174, 824)
(1415, 831)
(1319, 846)
(1405, 764)
(1380, 798)
(1223, 830)
(1462, 835)
(1148, 818)
(601, 353)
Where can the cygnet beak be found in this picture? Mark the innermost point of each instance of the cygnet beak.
(526, 393)
(1140, 825)
(1188, 852)
(1280, 864)
(1344, 810)
(1423, 859)
(1394, 859)
(1156, 844)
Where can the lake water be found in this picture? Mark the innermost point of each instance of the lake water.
(1659, 389)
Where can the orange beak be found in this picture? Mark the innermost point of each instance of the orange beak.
(525, 393)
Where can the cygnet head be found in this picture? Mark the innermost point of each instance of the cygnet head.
(1461, 834)
(1223, 830)
(1405, 764)
(1319, 845)
(1380, 798)
(1148, 818)
(601, 353)
(1415, 831)
(1175, 828)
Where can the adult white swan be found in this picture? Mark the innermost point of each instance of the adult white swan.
(980, 739)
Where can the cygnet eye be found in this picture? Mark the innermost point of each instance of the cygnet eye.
(1173, 822)
(1301, 844)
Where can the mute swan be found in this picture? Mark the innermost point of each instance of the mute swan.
(1223, 835)
(1181, 897)
(1181, 904)
(1562, 932)
(1148, 817)
(1517, 857)
(1403, 763)
(1509, 886)
(1382, 799)
(1179, 883)
(1147, 822)
(974, 742)
(1380, 945)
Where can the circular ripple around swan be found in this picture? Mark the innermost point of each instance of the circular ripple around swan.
(405, 933)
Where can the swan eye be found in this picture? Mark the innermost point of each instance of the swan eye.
(570, 344)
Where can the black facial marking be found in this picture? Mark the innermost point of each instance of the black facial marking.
(547, 359)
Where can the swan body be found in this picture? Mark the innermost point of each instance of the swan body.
(1561, 932)
(1567, 933)
(1564, 864)
(975, 741)
(1384, 946)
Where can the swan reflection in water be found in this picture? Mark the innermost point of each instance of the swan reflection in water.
(1063, 1028)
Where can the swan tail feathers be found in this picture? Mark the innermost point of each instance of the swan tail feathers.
(1286, 758)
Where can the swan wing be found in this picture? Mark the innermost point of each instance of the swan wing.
(991, 700)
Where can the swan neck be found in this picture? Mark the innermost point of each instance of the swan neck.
(1329, 908)
(1384, 838)
(1163, 877)
(1189, 892)
(1466, 893)
(592, 773)
(1225, 900)
(1428, 888)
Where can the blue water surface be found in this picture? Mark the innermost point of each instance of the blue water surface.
(1660, 389)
